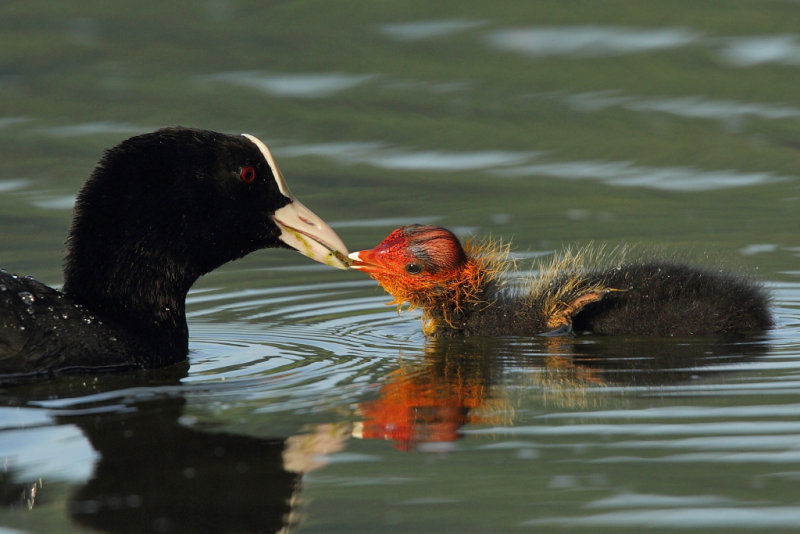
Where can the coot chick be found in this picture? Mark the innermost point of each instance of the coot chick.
(462, 293)
(158, 211)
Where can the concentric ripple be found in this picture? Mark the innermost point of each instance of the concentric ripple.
(289, 347)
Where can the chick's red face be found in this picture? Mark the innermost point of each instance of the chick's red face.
(410, 257)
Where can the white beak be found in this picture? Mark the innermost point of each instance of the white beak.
(301, 228)
(305, 232)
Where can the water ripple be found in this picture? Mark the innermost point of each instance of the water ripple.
(693, 106)
(514, 164)
(626, 174)
(294, 347)
(427, 29)
(589, 41)
(395, 158)
(13, 185)
(95, 128)
(754, 517)
(752, 51)
(296, 85)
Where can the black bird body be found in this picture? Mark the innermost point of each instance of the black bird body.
(38, 329)
(461, 292)
(664, 298)
(159, 210)
(648, 298)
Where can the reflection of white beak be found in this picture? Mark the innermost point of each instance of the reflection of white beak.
(301, 228)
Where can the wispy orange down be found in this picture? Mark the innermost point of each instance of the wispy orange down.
(448, 293)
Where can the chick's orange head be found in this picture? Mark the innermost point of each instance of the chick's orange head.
(413, 260)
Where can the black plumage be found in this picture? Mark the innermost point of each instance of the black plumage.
(158, 211)
(463, 293)
(666, 298)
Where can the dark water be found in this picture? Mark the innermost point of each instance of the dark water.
(310, 404)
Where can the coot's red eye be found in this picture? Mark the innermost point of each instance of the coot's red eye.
(248, 175)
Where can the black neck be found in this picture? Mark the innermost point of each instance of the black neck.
(146, 301)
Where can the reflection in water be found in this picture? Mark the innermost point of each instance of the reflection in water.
(457, 382)
(155, 474)
(15, 494)
(428, 402)
(631, 362)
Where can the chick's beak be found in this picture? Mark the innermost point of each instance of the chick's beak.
(367, 261)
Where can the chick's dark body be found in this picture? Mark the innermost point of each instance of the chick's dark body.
(651, 298)
(462, 295)
(662, 298)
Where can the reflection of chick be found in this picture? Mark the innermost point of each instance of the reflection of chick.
(463, 382)
(460, 292)
(428, 404)
(305, 452)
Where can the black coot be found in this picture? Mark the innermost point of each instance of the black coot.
(159, 210)
(461, 292)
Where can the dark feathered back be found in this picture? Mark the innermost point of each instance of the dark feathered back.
(672, 299)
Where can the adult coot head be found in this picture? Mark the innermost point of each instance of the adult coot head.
(158, 211)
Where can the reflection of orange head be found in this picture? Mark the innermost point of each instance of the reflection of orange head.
(416, 407)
